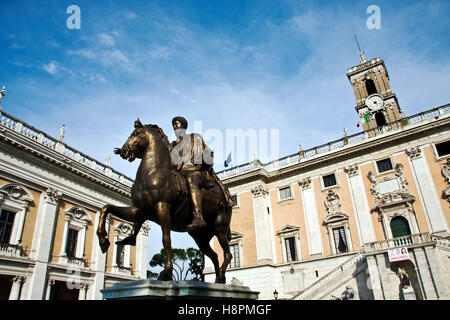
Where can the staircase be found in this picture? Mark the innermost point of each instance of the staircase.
(326, 281)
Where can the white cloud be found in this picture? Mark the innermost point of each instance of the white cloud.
(106, 39)
(51, 67)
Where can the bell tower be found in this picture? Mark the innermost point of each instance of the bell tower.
(376, 104)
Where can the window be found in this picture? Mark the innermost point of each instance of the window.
(443, 148)
(291, 250)
(120, 255)
(235, 261)
(6, 225)
(380, 119)
(384, 165)
(370, 86)
(285, 193)
(340, 240)
(400, 227)
(329, 180)
(71, 246)
(235, 200)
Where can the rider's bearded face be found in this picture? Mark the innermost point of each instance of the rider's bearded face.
(179, 130)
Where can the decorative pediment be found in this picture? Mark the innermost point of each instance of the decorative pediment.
(334, 218)
(393, 199)
(390, 184)
(15, 192)
(235, 235)
(78, 214)
(124, 229)
(288, 229)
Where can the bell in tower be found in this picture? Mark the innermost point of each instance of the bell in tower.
(376, 104)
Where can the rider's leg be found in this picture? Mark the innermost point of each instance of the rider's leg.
(193, 182)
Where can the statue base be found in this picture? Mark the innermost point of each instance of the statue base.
(176, 290)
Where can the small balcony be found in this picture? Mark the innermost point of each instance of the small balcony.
(66, 259)
(406, 241)
(12, 250)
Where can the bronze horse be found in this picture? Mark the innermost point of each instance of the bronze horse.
(157, 195)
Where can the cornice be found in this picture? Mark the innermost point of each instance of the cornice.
(52, 161)
(406, 135)
(71, 175)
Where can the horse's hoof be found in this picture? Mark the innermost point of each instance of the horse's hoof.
(127, 241)
(104, 244)
(221, 280)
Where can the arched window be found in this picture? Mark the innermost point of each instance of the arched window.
(400, 227)
(370, 86)
(380, 119)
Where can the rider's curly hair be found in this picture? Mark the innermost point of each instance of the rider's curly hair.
(183, 121)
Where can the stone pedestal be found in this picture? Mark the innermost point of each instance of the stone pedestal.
(408, 293)
(176, 290)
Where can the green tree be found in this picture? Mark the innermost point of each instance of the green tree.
(186, 262)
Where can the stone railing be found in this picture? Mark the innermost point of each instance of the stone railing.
(443, 242)
(26, 130)
(331, 276)
(120, 269)
(358, 138)
(411, 240)
(11, 250)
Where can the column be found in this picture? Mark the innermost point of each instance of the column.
(436, 273)
(375, 281)
(262, 229)
(427, 190)
(83, 291)
(42, 241)
(312, 223)
(425, 276)
(384, 277)
(141, 251)
(50, 283)
(81, 240)
(65, 233)
(16, 287)
(98, 264)
(19, 232)
(360, 205)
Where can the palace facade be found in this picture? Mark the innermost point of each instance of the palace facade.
(50, 198)
(368, 213)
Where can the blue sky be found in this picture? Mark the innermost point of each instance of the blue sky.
(231, 64)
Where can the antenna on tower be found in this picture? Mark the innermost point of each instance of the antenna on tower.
(361, 52)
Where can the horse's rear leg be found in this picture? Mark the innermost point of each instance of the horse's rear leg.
(163, 211)
(202, 238)
(227, 256)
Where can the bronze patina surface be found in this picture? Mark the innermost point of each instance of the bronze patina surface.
(178, 191)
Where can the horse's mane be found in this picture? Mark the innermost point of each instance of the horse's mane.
(160, 133)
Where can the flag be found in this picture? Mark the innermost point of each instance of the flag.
(366, 119)
(226, 162)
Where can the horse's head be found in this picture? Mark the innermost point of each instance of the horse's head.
(136, 144)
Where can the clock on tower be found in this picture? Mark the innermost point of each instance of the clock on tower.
(375, 102)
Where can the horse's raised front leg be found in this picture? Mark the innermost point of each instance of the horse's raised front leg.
(126, 213)
(163, 211)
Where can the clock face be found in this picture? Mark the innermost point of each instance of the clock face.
(374, 102)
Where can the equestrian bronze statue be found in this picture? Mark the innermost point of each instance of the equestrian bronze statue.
(177, 188)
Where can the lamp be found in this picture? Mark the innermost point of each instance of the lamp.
(275, 294)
